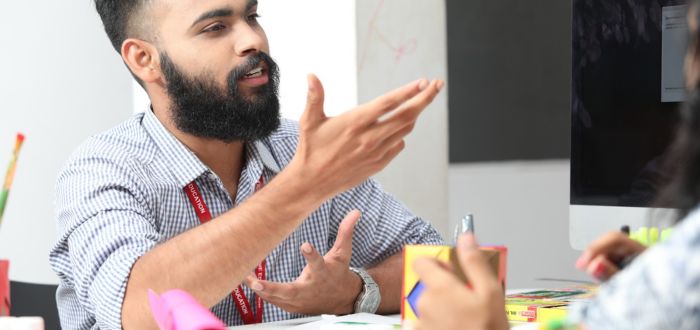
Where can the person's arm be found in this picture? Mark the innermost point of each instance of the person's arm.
(386, 274)
(333, 154)
(657, 291)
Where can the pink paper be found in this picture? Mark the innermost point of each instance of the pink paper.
(177, 310)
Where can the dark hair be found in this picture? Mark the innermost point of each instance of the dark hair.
(683, 163)
(116, 17)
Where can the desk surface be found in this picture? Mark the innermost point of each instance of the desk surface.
(316, 322)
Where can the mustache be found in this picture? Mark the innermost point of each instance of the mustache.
(251, 63)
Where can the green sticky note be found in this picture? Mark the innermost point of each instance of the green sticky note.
(665, 234)
(653, 235)
(643, 236)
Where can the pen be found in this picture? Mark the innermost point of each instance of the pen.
(624, 262)
(625, 229)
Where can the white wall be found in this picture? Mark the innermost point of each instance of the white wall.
(525, 206)
(309, 36)
(60, 81)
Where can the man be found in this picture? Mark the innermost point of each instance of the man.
(207, 189)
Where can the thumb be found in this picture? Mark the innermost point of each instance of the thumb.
(343, 242)
(313, 113)
(473, 264)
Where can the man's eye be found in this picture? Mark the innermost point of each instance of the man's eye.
(215, 28)
(253, 17)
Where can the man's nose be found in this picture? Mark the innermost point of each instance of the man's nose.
(249, 40)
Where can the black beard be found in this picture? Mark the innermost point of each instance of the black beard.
(201, 108)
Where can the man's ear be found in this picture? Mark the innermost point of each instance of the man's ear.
(142, 59)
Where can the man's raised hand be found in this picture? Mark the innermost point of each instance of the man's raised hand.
(337, 153)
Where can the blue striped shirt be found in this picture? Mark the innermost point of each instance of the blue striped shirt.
(121, 193)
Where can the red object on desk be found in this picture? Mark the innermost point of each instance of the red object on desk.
(4, 288)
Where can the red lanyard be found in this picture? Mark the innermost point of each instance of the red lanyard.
(239, 298)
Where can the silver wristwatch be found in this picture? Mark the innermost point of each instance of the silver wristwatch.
(368, 300)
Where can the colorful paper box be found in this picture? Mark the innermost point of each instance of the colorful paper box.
(412, 287)
(4, 288)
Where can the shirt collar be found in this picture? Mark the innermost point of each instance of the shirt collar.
(189, 167)
(183, 163)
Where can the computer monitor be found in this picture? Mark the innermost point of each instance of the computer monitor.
(627, 86)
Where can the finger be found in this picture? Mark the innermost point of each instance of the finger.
(474, 265)
(403, 120)
(389, 101)
(313, 113)
(408, 112)
(343, 242)
(390, 154)
(269, 290)
(313, 259)
(410, 325)
(613, 245)
(394, 139)
(601, 268)
(433, 274)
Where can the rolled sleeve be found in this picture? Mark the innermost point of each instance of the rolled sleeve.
(385, 227)
(104, 228)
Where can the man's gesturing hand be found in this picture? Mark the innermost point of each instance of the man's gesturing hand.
(335, 154)
(325, 286)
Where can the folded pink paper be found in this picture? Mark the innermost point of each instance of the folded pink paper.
(177, 310)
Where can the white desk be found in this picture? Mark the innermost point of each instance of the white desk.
(316, 322)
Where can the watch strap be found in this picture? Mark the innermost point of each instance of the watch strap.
(369, 298)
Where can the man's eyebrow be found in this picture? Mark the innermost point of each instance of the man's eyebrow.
(251, 4)
(221, 12)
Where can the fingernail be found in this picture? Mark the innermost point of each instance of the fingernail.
(306, 248)
(423, 84)
(599, 271)
(440, 83)
(256, 286)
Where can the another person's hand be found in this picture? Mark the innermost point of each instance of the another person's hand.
(337, 153)
(447, 303)
(602, 258)
(325, 286)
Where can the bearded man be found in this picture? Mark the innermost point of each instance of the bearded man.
(211, 192)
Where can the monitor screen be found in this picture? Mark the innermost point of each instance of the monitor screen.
(627, 85)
